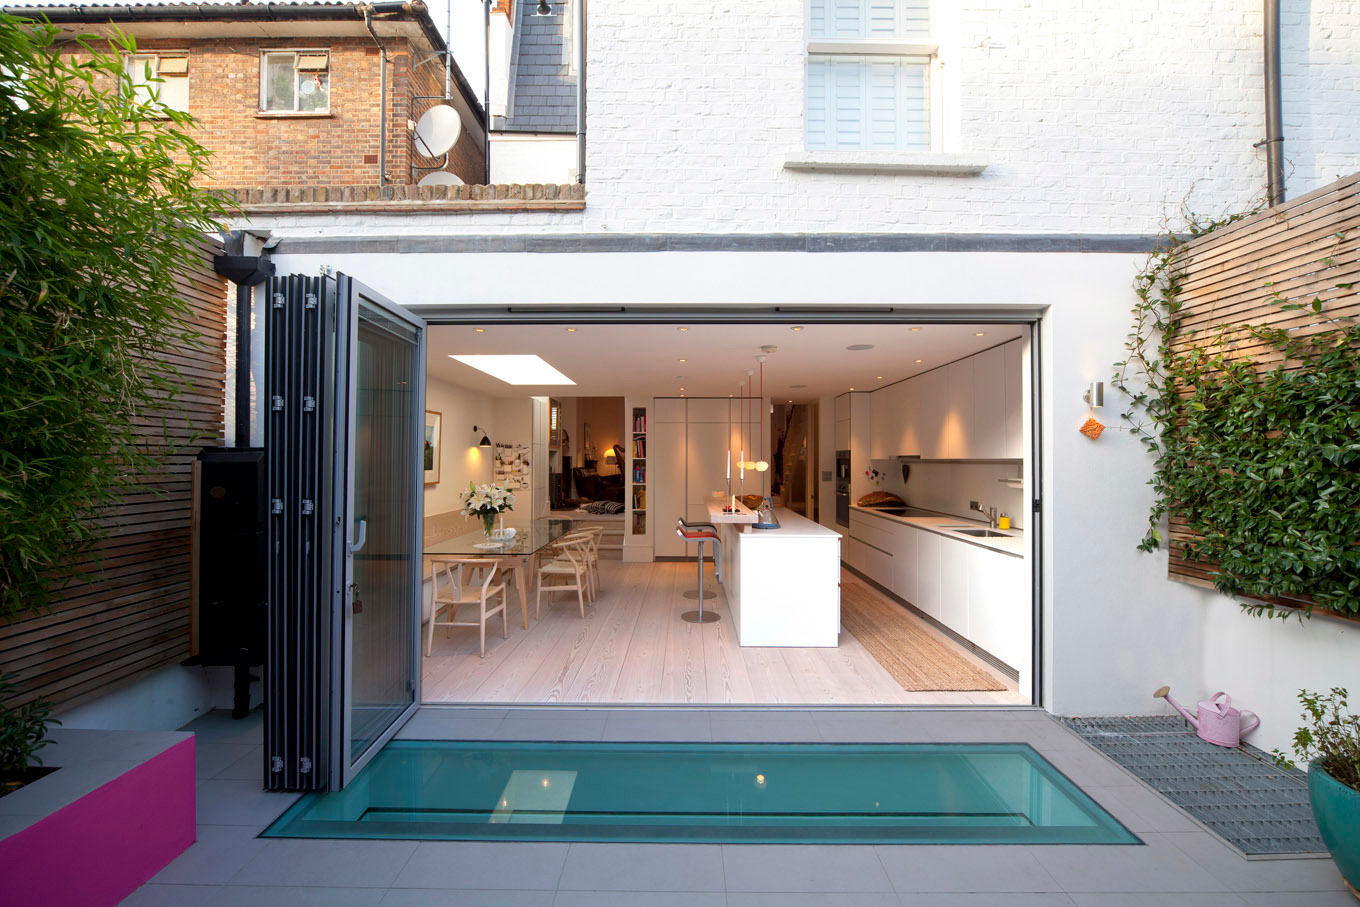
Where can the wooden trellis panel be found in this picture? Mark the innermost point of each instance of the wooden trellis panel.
(131, 615)
(1241, 275)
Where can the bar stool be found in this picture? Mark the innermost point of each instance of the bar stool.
(702, 532)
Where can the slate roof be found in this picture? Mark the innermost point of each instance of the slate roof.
(542, 89)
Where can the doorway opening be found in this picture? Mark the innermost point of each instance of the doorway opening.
(904, 448)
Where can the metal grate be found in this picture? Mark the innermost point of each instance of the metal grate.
(1240, 794)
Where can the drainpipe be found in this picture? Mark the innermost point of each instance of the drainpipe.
(1274, 140)
(486, 97)
(580, 12)
(382, 95)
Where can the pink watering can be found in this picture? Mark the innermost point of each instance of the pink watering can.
(1218, 722)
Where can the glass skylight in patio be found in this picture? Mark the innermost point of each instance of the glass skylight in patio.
(710, 793)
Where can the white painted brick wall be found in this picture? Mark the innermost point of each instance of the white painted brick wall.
(1096, 116)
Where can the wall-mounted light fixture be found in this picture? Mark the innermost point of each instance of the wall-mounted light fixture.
(543, 9)
(1095, 394)
(486, 441)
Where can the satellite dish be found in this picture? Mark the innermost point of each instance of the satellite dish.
(439, 178)
(437, 130)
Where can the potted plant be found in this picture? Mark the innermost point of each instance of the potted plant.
(1330, 742)
(487, 502)
(23, 731)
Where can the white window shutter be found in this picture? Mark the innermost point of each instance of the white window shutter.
(818, 104)
(881, 18)
(913, 106)
(883, 99)
(848, 103)
(878, 19)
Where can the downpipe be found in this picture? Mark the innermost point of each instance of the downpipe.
(1274, 140)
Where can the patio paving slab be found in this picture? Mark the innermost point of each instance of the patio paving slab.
(942, 868)
(802, 867)
(643, 867)
(483, 864)
(1180, 863)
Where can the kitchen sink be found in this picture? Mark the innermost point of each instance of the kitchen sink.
(983, 533)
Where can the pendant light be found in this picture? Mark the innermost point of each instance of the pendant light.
(761, 465)
(746, 421)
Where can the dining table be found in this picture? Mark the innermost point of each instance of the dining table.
(516, 555)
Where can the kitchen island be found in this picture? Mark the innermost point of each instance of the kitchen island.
(782, 585)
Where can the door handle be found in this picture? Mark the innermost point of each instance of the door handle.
(358, 543)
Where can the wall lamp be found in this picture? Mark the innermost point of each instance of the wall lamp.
(486, 441)
(1095, 394)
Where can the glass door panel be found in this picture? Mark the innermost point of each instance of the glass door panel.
(382, 612)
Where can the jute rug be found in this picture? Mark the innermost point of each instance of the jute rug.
(916, 658)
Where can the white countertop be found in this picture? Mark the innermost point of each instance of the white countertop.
(1013, 543)
(743, 514)
(791, 525)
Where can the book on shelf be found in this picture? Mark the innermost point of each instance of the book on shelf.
(640, 423)
(639, 448)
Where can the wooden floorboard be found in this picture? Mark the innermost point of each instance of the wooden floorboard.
(633, 647)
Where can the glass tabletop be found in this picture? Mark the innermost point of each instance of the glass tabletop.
(530, 536)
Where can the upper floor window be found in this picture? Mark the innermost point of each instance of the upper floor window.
(295, 81)
(868, 75)
(163, 77)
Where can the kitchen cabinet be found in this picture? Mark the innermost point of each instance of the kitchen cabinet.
(861, 427)
(988, 438)
(708, 409)
(999, 614)
(955, 565)
(668, 409)
(930, 409)
(705, 469)
(1014, 381)
(980, 594)
(970, 409)
(927, 567)
(956, 416)
(666, 460)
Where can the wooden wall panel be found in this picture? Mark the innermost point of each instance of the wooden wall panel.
(129, 615)
(1240, 275)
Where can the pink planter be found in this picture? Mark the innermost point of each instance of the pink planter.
(101, 847)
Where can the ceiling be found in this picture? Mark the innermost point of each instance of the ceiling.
(644, 360)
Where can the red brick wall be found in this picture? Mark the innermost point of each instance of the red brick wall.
(338, 148)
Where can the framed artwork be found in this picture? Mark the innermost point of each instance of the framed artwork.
(433, 447)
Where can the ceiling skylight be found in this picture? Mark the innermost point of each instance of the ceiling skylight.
(517, 369)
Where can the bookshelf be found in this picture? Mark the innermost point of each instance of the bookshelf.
(637, 479)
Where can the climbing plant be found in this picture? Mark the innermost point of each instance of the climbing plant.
(99, 213)
(1262, 463)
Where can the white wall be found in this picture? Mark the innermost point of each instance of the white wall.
(462, 460)
(163, 700)
(1115, 628)
(532, 158)
(1092, 117)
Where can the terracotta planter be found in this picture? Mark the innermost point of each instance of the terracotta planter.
(1336, 808)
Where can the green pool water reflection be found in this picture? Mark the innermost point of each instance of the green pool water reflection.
(709, 793)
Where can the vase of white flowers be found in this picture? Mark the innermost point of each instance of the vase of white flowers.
(487, 502)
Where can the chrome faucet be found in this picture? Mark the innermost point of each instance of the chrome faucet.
(989, 513)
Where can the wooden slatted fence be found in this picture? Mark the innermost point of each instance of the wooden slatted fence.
(1242, 274)
(131, 614)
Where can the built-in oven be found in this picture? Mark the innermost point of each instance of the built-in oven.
(842, 488)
